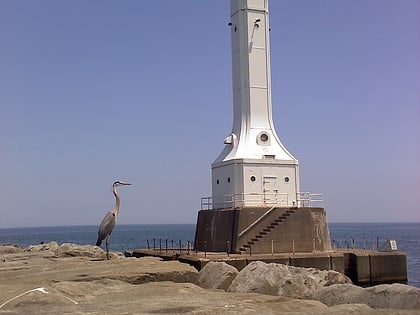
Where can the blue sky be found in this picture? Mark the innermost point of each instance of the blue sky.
(95, 91)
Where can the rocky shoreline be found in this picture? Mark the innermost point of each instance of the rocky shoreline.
(77, 279)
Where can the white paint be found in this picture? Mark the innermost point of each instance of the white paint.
(253, 152)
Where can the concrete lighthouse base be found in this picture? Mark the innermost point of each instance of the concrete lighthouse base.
(263, 230)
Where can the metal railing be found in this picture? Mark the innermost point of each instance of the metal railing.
(231, 201)
(256, 222)
(337, 245)
(307, 199)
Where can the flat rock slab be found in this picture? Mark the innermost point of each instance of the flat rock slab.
(117, 297)
(27, 270)
(42, 283)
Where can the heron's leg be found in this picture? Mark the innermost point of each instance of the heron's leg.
(107, 246)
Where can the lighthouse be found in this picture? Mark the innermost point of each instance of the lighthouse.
(256, 203)
(254, 169)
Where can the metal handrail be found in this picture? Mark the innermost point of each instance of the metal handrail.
(253, 224)
(304, 199)
(307, 199)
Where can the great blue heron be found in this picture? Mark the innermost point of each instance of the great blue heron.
(108, 223)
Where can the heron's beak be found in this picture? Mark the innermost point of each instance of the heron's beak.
(125, 183)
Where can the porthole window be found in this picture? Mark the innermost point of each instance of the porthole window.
(286, 179)
(253, 178)
(264, 137)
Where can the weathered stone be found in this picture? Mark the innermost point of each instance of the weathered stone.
(117, 297)
(334, 277)
(396, 296)
(356, 309)
(10, 249)
(216, 275)
(278, 279)
(339, 294)
(74, 250)
(51, 246)
(40, 282)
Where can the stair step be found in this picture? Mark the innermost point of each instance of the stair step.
(282, 217)
(259, 236)
(286, 214)
(267, 230)
(290, 211)
(242, 249)
(262, 233)
(278, 220)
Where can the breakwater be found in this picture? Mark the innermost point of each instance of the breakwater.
(363, 267)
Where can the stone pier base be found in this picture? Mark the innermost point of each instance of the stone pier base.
(262, 230)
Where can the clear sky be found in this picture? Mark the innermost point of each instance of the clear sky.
(95, 91)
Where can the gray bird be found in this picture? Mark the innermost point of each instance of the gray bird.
(108, 223)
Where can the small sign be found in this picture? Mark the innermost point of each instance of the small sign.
(393, 244)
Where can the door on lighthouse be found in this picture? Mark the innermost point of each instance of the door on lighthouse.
(270, 190)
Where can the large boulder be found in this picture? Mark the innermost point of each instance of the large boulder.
(339, 294)
(216, 275)
(396, 296)
(289, 281)
(392, 296)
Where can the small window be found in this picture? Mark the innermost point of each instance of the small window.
(264, 137)
(253, 178)
(217, 182)
(286, 179)
(228, 179)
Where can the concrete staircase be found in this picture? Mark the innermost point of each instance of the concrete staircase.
(261, 234)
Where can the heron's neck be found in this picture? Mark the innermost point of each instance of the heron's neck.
(117, 201)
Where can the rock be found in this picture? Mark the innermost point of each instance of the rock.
(117, 297)
(51, 246)
(36, 300)
(74, 250)
(356, 309)
(40, 282)
(10, 249)
(278, 279)
(339, 294)
(39, 269)
(216, 275)
(398, 296)
(334, 277)
(395, 296)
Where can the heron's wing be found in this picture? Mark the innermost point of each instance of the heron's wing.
(107, 225)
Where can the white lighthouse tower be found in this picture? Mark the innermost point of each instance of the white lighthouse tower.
(256, 202)
(254, 169)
